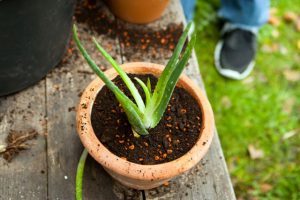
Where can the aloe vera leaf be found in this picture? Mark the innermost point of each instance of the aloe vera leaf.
(136, 95)
(98, 71)
(145, 88)
(79, 174)
(149, 85)
(160, 86)
(134, 119)
(129, 107)
(171, 83)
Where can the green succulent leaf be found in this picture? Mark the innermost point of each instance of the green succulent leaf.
(149, 85)
(171, 83)
(146, 90)
(136, 95)
(133, 113)
(155, 108)
(161, 84)
(134, 119)
(79, 174)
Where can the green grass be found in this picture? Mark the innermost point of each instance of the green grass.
(259, 110)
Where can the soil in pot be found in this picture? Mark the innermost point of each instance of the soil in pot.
(175, 135)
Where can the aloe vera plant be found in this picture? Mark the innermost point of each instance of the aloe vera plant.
(144, 115)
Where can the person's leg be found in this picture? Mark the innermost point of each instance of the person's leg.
(235, 52)
(245, 13)
(188, 8)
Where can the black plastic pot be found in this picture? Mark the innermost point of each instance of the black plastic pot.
(33, 39)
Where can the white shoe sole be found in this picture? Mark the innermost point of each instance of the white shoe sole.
(228, 72)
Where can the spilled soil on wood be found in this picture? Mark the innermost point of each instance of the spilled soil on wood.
(133, 38)
(17, 141)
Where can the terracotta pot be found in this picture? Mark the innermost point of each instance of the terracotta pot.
(136, 175)
(138, 11)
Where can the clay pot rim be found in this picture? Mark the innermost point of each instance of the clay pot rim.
(133, 170)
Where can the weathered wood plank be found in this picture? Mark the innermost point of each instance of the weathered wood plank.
(25, 177)
(210, 178)
(64, 86)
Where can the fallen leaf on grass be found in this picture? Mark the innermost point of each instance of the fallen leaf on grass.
(297, 23)
(261, 78)
(265, 187)
(16, 142)
(274, 47)
(288, 105)
(290, 134)
(298, 44)
(274, 21)
(283, 50)
(226, 102)
(248, 80)
(270, 48)
(275, 33)
(254, 152)
(291, 75)
(290, 16)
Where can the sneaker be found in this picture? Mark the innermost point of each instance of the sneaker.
(235, 53)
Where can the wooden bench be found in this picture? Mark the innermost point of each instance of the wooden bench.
(47, 170)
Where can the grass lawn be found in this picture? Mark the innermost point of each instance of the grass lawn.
(262, 111)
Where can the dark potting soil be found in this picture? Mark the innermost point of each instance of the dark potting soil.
(98, 18)
(175, 135)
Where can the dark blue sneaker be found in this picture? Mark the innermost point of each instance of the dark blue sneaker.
(235, 53)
